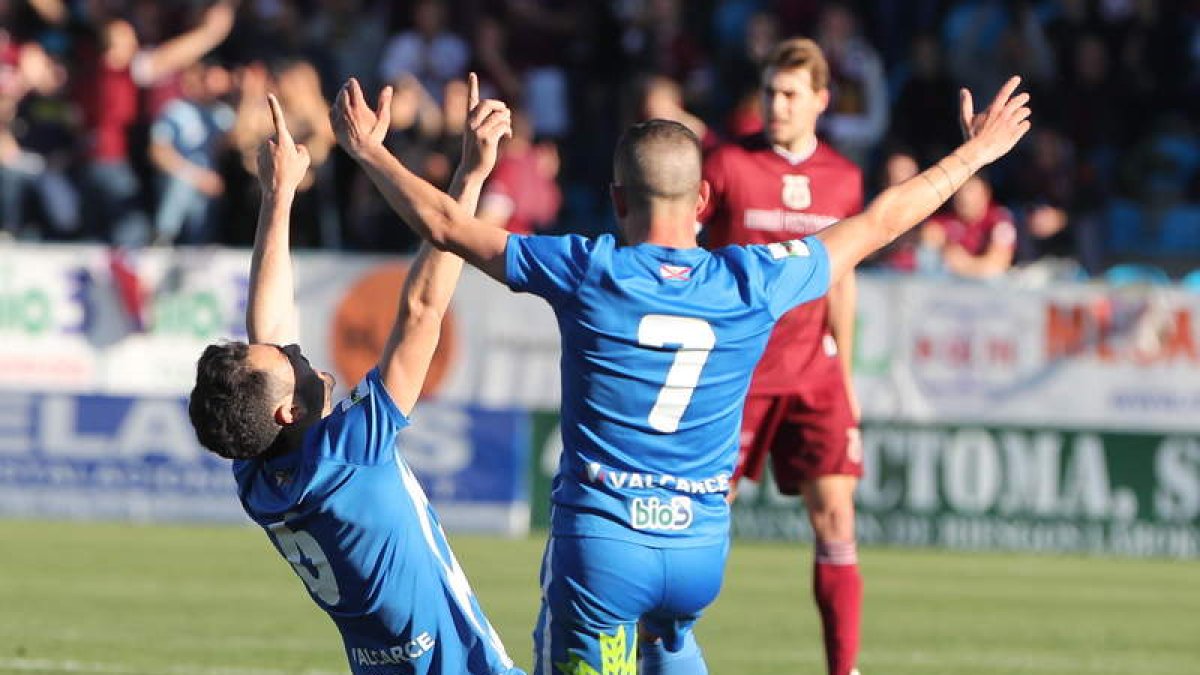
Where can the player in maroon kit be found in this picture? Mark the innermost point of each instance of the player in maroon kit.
(778, 185)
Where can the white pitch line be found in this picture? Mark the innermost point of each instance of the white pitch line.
(69, 666)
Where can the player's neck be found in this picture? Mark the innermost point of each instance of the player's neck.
(665, 232)
(291, 438)
(798, 150)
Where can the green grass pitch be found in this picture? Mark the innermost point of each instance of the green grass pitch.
(107, 598)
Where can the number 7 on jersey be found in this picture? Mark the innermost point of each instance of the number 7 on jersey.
(696, 340)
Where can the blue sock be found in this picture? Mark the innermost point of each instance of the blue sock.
(654, 658)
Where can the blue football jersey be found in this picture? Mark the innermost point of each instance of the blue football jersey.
(658, 346)
(349, 516)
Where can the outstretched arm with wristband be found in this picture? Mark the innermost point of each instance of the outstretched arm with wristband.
(989, 136)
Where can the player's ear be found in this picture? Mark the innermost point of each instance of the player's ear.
(823, 99)
(288, 411)
(620, 203)
(703, 197)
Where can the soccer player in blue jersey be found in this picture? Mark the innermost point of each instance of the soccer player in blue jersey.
(328, 482)
(659, 339)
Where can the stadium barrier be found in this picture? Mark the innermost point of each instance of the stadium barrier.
(135, 458)
(97, 355)
(983, 488)
(998, 417)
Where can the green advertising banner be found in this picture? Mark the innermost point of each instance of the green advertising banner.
(985, 487)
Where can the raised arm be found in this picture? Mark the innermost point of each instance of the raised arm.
(183, 50)
(432, 214)
(434, 274)
(990, 135)
(271, 308)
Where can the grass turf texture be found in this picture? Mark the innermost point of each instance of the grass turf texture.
(107, 598)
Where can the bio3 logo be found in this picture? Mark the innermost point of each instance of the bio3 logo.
(652, 513)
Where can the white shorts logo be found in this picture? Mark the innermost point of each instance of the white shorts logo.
(796, 192)
(652, 513)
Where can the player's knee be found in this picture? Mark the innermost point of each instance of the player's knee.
(833, 521)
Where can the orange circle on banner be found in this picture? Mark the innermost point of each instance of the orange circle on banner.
(364, 319)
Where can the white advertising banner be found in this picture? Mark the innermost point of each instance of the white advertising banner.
(98, 353)
(82, 319)
(78, 319)
(1084, 356)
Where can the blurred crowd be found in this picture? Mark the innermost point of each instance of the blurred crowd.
(133, 122)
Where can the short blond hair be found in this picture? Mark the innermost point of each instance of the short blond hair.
(801, 53)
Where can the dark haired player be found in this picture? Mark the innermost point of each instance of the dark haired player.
(328, 482)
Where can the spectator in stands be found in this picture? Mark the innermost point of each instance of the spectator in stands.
(542, 38)
(316, 221)
(19, 168)
(496, 71)
(307, 112)
(1053, 245)
(657, 40)
(1062, 219)
(417, 122)
(125, 56)
(352, 33)
(857, 116)
(1068, 22)
(928, 95)
(447, 145)
(45, 128)
(660, 97)
(971, 35)
(112, 69)
(976, 237)
(741, 75)
(1024, 50)
(899, 164)
(428, 50)
(522, 194)
(1096, 130)
(184, 143)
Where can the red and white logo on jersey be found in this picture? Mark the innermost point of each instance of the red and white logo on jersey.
(796, 192)
(675, 272)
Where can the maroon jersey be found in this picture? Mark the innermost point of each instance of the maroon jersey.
(759, 196)
(996, 225)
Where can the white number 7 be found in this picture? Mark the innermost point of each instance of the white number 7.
(695, 339)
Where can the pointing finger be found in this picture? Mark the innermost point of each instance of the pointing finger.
(472, 91)
(281, 128)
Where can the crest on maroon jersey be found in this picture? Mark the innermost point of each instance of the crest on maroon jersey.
(796, 192)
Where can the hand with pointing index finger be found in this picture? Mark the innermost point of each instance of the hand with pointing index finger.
(282, 163)
(488, 122)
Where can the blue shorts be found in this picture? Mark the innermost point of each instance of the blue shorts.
(595, 591)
